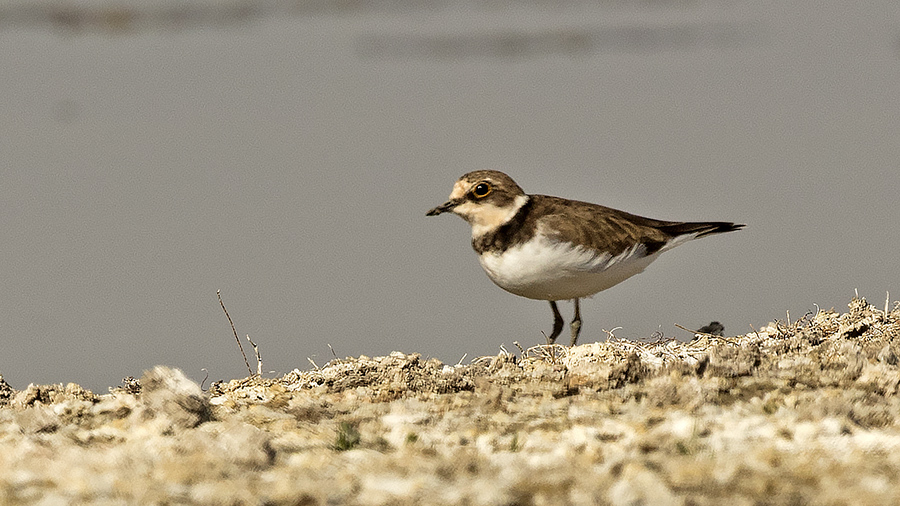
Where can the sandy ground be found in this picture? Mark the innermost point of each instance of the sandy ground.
(800, 412)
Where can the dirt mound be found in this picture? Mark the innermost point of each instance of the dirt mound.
(802, 412)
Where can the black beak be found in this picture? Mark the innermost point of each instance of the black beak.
(443, 208)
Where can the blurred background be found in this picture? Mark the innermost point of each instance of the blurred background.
(285, 153)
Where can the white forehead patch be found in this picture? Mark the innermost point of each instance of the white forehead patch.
(459, 189)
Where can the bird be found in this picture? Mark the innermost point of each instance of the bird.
(550, 248)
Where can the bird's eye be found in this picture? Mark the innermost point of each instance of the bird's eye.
(481, 190)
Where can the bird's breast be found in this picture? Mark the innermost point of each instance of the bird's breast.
(547, 269)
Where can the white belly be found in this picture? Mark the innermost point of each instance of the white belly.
(548, 270)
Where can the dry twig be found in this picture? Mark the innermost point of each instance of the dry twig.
(236, 338)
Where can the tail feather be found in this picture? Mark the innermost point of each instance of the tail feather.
(700, 229)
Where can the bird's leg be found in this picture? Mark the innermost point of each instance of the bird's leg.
(557, 322)
(576, 323)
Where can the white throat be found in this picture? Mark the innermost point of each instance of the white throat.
(486, 218)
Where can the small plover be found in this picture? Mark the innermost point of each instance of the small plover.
(550, 248)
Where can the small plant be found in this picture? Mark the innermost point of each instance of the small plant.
(514, 445)
(684, 447)
(347, 437)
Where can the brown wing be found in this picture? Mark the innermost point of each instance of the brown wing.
(614, 231)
